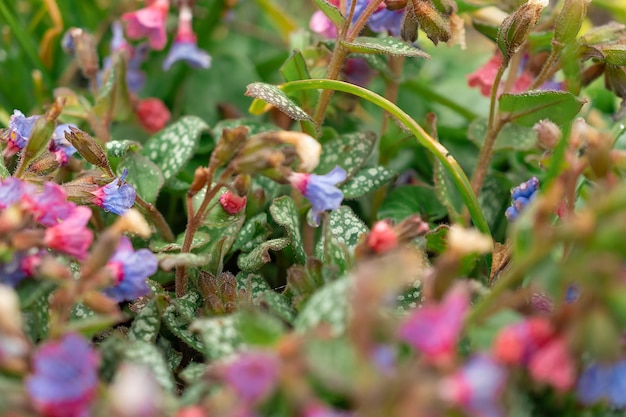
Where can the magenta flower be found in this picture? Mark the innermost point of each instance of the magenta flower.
(21, 128)
(48, 206)
(65, 377)
(130, 269)
(477, 387)
(320, 190)
(149, 22)
(60, 146)
(71, 236)
(321, 24)
(185, 47)
(11, 191)
(117, 196)
(252, 375)
(434, 329)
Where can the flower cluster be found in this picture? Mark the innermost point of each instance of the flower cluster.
(522, 195)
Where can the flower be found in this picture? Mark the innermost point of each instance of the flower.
(320, 190)
(117, 196)
(60, 146)
(252, 375)
(518, 342)
(152, 114)
(603, 381)
(321, 24)
(135, 77)
(148, 22)
(48, 206)
(435, 328)
(20, 129)
(11, 191)
(65, 377)
(12, 272)
(232, 203)
(554, 365)
(522, 195)
(477, 387)
(385, 20)
(135, 392)
(382, 237)
(130, 269)
(185, 45)
(71, 235)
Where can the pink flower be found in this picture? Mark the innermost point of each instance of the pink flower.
(71, 236)
(434, 329)
(323, 25)
(232, 203)
(517, 343)
(483, 77)
(149, 22)
(382, 238)
(48, 206)
(554, 365)
(252, 375)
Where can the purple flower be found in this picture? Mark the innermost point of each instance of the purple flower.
(21, 128)
(252, 375)
(135, 77)
(435, 328)
(321, 24)
(385, 20)
(11, 191)
(71, 236)
(477, 387)
(60, 146)
(50, 205)
(188, 52)
(185, 47)
(65, 377)
(130, 269)
(12, 272)
(600, 381)
(117, 196)
(320, 190)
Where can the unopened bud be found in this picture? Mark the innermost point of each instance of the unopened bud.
(41, 133)
(548, 134)
(307, 148)
(81, 190)
(411, 227)
(232, 203)
(231, 141)
(431, 21)
(200, 179)
(599, 153)
(409, 28)
(382, 238)
(101, 252)
(569, 21)
(81, 44)
(242, 184)
(515, 29)
(133, 222)
(88, 147)
(447, 7)
(44, 165)
(467, 241)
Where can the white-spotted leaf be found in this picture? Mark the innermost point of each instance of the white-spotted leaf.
(220, 336)
(143, 174)
(328, 305)
(277, 98)
(366, 180)
(285, 213)
(147, 354)
(348, 151)
(388, 45)
(119, 148)
(260, 255)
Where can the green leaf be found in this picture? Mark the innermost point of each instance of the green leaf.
(143, 174)
(147, 354)
(260, 255)
(30, 291)
(331, 11)
(411, 298)
(277, 304)
(436, 239)
(511, 137)
(528, 108)
(346, 226)
(169, 261)
(335, 363)
(119, 148)
(36, 318)
(349, 151)
(285, 213)
(113, 97)
(220, 336)
(258, 328)
(93, 325)
(277, 98)
(179, 315)
(4, 172)
(193, 372)
(388, 45)
(253, 284)
(172, 147)
(328, 305)
(147, 324)
(408, 200)
(615, 54)
(254, 232)
(199, 239)
(295, 68)
(366, 180)
(446, 192)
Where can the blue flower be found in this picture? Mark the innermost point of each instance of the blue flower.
(320, 190)
(12, 272)
(60, 146)
(11, 191)
(386, 20)
(522, 195)
(189, 52)
(130, 269)
(65, 377)
(21, 128)
(117, 196)
(599, 382)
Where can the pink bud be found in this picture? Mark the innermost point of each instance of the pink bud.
(382, 238)
(232, 203)
(153, 115)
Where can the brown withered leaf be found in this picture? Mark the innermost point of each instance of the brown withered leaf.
(500, 260)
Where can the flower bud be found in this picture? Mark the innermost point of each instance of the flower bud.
(307, 148)
(515, 29)
(152, 114)
(200, 179)
(382, 238)
(88, 147)
(467, 241)
(44, 165)
(133, 222)
(409, 28)
(41, 133)
(599, 153)
(80, 190)
(231, 141)
(81, 44)
(232, 203)
(431, 21)
(548, 134)
(569, 21)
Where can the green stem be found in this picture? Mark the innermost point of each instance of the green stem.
(547, 71)
(439, 151)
